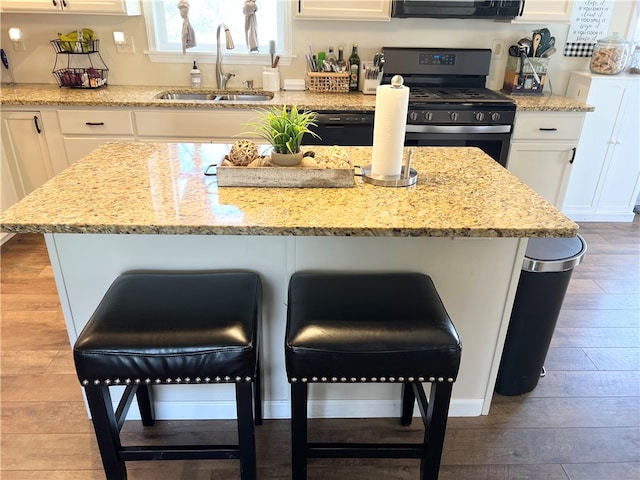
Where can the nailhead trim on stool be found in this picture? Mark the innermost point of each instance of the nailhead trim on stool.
(371, 328)
(172, 328)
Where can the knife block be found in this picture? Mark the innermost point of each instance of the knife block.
(523, 82)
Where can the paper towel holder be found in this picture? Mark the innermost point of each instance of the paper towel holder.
(408, 176)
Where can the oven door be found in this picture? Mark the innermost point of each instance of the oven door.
(494, 144)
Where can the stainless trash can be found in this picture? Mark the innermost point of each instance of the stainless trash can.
(545, 275)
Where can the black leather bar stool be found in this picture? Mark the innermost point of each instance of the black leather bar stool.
(371, 328)
(160, 328)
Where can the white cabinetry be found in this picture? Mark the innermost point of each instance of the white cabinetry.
(221, 125)
(84, 130)
(543, 148)
(543, 11)
(606, 178)
(25, 144)
(341, 10)
(111, 7)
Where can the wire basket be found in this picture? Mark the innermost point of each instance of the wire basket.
(81, 77)
(328, 82)
(84, 46)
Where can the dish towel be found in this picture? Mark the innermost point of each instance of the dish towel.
(250, 24)
(188, 35)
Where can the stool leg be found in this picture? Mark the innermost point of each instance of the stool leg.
(144, 394)
(246, 433)
(299, 394)
(408, 401)
(437, 413)
(257, 396)
(107, 433)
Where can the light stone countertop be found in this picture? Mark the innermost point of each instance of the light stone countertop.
(144, 96)
(160, 188)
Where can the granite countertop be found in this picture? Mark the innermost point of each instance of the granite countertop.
(144, 96)
(160, 188)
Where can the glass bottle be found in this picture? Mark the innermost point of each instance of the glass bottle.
(354, 67)
(341, 62)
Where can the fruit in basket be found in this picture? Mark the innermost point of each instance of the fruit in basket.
(82, 36)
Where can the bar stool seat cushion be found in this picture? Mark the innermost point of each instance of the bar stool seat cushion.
(151, 328)
(368, 327)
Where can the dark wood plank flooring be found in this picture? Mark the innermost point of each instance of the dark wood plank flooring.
(582, 422)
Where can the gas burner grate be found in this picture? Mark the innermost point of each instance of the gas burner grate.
(439, 94)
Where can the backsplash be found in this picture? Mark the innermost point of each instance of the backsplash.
(35, 64)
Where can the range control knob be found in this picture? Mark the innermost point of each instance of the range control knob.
(479, 116)
(454, 116)
(413, 116)
(495, 116)
(428, 116)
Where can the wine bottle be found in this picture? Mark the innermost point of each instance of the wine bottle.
(354, 67)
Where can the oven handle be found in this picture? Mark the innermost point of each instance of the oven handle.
(458, 128)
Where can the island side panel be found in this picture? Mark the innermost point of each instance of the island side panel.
(475, 277)
(88, 263)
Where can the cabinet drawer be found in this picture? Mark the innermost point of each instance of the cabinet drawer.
(547, 126)
(95, 122)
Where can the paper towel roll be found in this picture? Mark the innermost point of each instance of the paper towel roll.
(392, 103)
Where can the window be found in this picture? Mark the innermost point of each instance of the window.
(164, 30)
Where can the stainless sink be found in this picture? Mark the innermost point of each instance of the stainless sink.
(186, 96)
(246, 97)
(214, 96)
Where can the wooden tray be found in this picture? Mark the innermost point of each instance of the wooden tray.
(297, 177)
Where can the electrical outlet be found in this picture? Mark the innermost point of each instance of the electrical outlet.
(497, 49)
(128, 46)
(19, 46)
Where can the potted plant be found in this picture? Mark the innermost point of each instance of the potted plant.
(284, 129)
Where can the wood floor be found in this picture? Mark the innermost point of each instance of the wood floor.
(582, 422)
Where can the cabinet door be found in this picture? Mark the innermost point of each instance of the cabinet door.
(115, 7)
(545, 168)
(597, 137)
(26, 147)
(341, 10)
(620, 180)
(31, 6)
(536, 11)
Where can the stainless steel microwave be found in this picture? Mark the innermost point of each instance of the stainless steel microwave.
(491, 9)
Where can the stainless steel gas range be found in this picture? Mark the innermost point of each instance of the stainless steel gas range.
(449, 104)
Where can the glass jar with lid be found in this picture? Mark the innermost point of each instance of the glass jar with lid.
(634, 62)
(610, 55)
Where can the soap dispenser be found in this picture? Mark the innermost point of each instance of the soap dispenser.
(195, 75)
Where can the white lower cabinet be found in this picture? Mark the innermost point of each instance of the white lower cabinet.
(606, 179)
(543, 149)
(83, 130)
(24, 142)
(221, 125)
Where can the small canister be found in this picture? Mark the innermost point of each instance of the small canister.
(610, 55)
(271, 79)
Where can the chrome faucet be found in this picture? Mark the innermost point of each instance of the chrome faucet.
(223, 78)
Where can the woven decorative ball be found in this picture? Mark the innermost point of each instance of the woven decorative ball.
(243, 152)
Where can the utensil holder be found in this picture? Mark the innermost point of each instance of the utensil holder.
(370, 78)
(517, 82)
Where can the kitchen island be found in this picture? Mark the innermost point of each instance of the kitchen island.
(129, 206)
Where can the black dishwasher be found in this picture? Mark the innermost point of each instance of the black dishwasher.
(347, 129)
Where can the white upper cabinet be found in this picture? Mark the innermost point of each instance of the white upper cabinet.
(103, 7)
(543, 11)
(341, 10)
